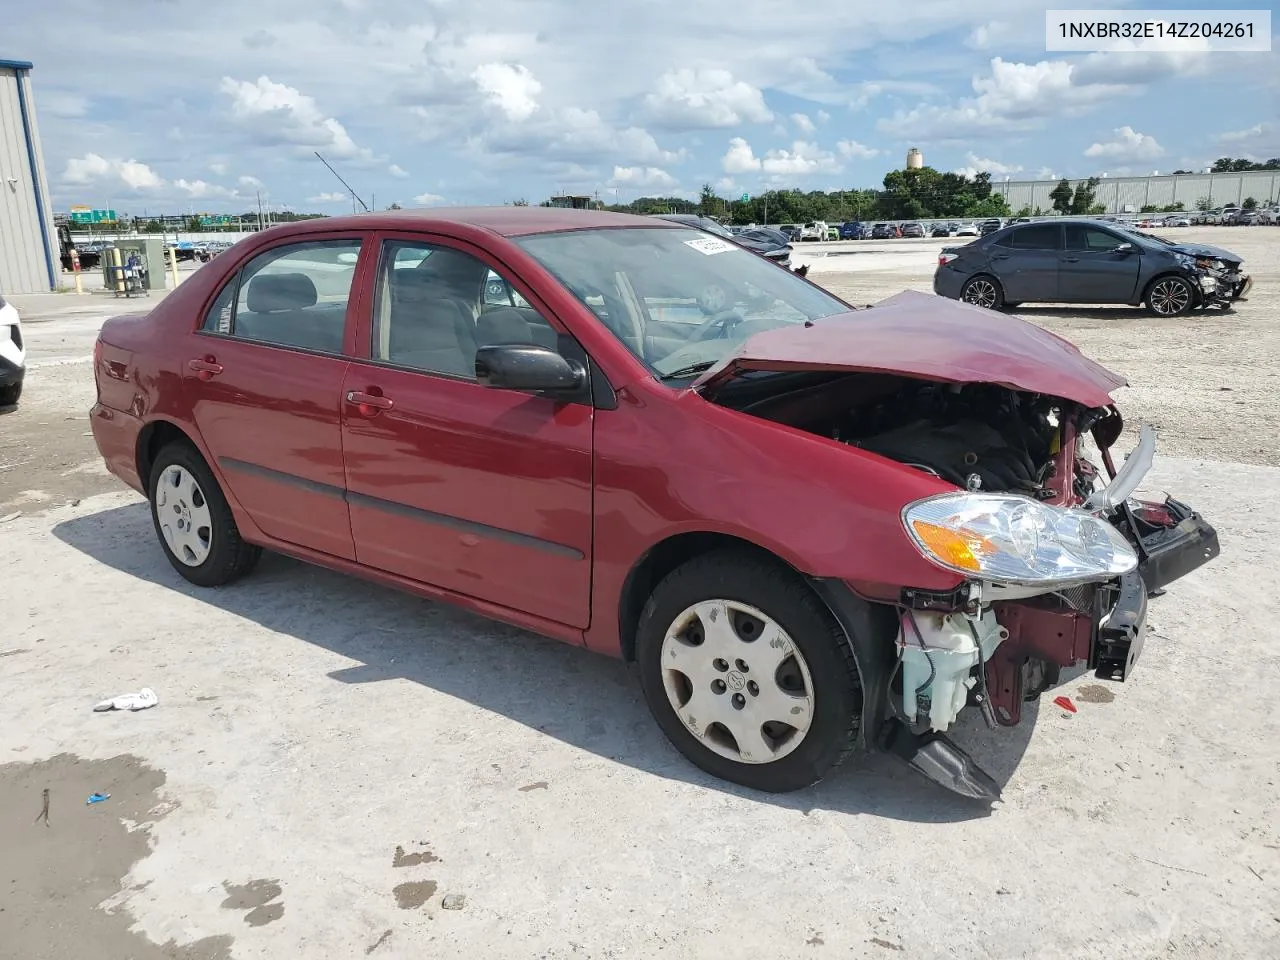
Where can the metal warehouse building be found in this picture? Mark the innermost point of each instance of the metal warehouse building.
(1131, 194)
(28, 244)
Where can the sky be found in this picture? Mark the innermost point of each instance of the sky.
(191, 106)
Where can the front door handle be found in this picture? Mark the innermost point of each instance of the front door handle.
(205, 368)
(1001, 256)
(369, 403)
(1070, 259)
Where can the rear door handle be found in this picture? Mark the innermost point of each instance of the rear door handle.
(369, 403)
(206, 368)
(1070, 259)
(1001, 256)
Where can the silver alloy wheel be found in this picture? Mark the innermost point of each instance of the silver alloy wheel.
(1170, 297)
(737, 681)
(981, 293)
(182, 513)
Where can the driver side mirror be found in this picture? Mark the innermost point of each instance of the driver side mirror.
(527, 366)
(1122, 248)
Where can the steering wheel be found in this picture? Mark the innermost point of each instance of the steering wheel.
(717, 325)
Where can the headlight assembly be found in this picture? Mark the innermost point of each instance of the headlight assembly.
(1016, 540)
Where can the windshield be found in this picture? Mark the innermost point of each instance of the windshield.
(1149, 236)
(677, 298)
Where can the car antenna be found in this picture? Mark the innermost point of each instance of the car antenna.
(354, 196)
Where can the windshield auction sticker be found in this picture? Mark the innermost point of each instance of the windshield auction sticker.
(710, 245)
(1145, 31)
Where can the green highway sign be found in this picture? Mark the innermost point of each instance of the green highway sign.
(216, 220)
(87, 215)
(746, 197)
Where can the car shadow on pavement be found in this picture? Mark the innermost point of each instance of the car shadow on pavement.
(1113, 314)
(590, 701)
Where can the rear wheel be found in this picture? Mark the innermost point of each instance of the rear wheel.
(10, 395)
(747, 672)
(983, 291)
(1170, 297)
(193, 521)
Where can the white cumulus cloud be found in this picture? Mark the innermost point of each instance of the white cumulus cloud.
(428, 199)
(975, 165)
(1127, 144)
(739, 158)
(93, 168)
(510, 87)
(641, 177)
(694, 99)
(853, 150)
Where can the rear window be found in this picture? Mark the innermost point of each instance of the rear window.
(1037, 237)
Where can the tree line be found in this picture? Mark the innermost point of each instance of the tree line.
(916, 194)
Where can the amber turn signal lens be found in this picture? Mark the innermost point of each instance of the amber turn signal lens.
(958, 548)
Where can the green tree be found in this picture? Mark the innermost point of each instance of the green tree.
(1173, 207)
(394, 206)
(154, 226)
(1232, 165)
(1249, 203)
(1082, 201)
(1061, 196)
(1203, 204)
(708, 203)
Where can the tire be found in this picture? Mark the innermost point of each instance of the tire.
(209, 552)
(815, 679)
(983, 290)
(10, 395)
(1169, 297)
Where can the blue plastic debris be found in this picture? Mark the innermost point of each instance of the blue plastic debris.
(98, 797)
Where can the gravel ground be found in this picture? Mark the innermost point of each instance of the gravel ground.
(338, 770)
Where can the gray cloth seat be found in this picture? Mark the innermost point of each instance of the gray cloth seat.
(426, 331)
(514, 325)
(284, 308)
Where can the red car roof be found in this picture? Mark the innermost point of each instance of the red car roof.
(504, 221)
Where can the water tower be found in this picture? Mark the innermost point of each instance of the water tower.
(915, 159)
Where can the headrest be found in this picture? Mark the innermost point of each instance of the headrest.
(280, 291)
(503, 325)
(457, 270)
(410, 286)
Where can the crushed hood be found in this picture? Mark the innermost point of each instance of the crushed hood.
(1205, 250)
(931, 338)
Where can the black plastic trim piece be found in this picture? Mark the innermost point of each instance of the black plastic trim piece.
(404, 509)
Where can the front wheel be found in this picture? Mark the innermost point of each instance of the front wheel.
(983, 291)
(194, 522)
(1170, 297)
(10, 395)
(747, 672)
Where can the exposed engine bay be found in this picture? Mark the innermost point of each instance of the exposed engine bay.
(998, 642)
(977, 436)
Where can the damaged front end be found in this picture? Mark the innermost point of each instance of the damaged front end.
(1052, 556)
(1219, 282)
(1032, 605)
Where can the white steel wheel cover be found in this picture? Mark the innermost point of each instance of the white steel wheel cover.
(737, 681)
(182, 513)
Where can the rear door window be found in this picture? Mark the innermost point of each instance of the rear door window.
(1047, 236)
(294, 295)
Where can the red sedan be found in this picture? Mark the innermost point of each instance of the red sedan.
(815, 529)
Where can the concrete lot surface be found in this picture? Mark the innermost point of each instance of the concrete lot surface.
(338, 770)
